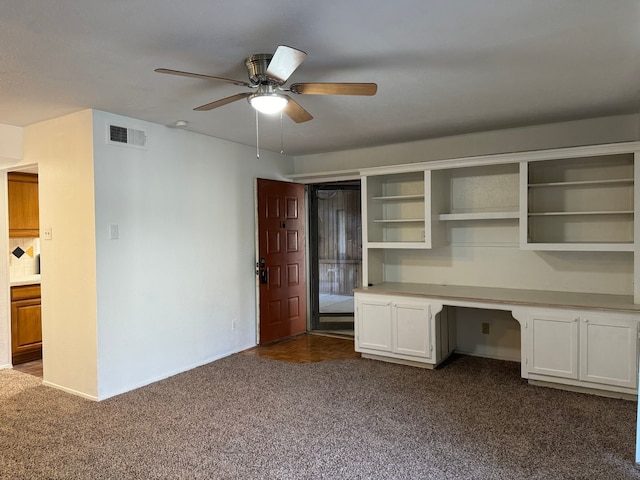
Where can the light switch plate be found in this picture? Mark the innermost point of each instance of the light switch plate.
(113, 232)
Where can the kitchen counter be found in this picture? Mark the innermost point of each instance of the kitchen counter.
(29, 280)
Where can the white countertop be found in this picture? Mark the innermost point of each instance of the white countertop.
(29, 280)
(508, 296)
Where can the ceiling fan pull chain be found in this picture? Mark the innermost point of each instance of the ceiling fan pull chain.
(281, 134)
(257, 138)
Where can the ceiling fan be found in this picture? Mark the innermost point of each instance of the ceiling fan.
(267, 75)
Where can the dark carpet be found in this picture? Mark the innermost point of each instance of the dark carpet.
(245, 417)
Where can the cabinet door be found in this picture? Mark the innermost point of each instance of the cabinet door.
(553, 345)
(22, 191)
(412, 329)
(26, 330)
(373, 324)
(608, 350)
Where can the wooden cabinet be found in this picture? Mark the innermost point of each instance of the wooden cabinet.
(26, 325)
(23, 200)
(400, 328)
(587, 349)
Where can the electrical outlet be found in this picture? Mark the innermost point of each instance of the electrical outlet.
(47, 234)
(485, 328)
(114, 234)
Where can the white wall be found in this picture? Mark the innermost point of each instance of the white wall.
(63, 150)
(183, 266)
(118, 314)
(565, 134)
(11, 143)
(502, 342)
(510, 267)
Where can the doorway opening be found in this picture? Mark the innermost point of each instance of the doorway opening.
(335, 242)
(23, 242)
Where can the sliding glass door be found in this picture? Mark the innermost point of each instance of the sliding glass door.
(336, 254)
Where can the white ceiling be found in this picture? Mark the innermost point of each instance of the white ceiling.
(442, 66)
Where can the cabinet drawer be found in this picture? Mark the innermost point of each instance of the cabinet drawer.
(25, 292)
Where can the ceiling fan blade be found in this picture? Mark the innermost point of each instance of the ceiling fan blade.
(295, 111)
(221, 102)
(284, 62)
(199, 75)
(335, 88)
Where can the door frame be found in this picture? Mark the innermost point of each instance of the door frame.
(5, 284)
(312, 260)
(256, 265)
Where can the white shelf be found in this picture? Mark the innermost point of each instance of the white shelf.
(400, 220)
(556, 214)
(581, 246)
(392, 198)
(478, 216)
(586, 183)
(396, 245)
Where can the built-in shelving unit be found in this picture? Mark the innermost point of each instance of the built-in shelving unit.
(579, 204)
(476, 205)
(495, 225)
(577, 199)
(395, 210)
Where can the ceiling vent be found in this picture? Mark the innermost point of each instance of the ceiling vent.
(126, 136)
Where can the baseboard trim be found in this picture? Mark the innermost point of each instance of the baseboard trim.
(144, 383)
(587, 390)
(70, 390)
(399, 361)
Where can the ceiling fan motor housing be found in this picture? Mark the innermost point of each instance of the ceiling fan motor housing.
(257, 67)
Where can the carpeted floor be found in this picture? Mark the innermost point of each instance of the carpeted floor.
(246, 417)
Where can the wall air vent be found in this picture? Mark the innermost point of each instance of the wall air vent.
(126, 136)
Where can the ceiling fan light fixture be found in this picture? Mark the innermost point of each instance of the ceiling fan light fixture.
(268, 103)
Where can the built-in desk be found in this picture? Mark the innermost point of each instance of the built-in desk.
(574, 340)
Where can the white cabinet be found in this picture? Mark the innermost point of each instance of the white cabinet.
(373, 322)
(552, 344)
(586, 349)
(412, 329)
(608, 350)
(402, 328)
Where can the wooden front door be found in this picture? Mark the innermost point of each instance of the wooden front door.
(281, 260)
